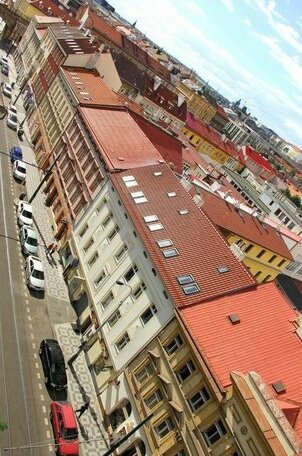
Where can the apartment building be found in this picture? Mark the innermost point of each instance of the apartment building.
(256, 243)
(252, 340)
(258, 165)
(211, 143)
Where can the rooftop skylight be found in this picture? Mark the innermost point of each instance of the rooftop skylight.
(222, 269)
(150, 218)
(183, 211)
(155, 226)
(164, 243)
(171, 194)
(169, 253)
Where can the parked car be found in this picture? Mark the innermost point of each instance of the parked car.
(34, 273)
(5, 69)
(53, 363)
(7, 90)
(12, 108)
(12, 120)
(16, 153)
(4, 61)
(65, 428)
(25, 213)
(29, 240)
(19, 170)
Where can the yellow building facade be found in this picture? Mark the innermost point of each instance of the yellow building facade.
(214, 152)
(27, 9)
(263, 264)
(197, 104)
(170, 380)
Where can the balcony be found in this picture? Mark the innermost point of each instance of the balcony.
(237, 251)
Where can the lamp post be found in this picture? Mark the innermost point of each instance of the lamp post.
(86, 343)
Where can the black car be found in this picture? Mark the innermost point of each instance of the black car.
(53, 364)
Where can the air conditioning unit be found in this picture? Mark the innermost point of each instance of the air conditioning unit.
(89, 333)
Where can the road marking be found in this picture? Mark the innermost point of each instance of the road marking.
(44, 409)
(33, 346)
(35, 355)
(42, 397)
(48, 434)
(46, 421)
(38, 375)
(50, 449)
(26, 302)
(32, 336)
(28, 317)
(40, 386)
(27, 309)
(37, 365)
(30, 326)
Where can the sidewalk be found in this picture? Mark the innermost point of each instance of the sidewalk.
(80, 386)
(60, 311)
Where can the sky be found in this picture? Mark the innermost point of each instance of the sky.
(247, 49)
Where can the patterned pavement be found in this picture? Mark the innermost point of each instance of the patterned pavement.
(80, 387)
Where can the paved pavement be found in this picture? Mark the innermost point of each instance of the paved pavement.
(60, 311)
(80, 387)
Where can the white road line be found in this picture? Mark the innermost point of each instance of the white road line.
(46, 421)
(30, 326)
(50, 449)
(44, 409)
(48, 434)
(37, 365)
(38, 376)
(40, 386)
(28, 317)
(35, 355)
(32, 336)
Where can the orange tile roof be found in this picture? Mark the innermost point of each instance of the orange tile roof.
(50, 8)
(249, 152)
(90, 89)
(201, 248)
(264, 341)
(226, 216)
(122, 142)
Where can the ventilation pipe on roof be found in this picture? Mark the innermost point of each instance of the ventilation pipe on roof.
(198, 200)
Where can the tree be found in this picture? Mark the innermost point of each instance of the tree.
(296, 200)
(3, 425)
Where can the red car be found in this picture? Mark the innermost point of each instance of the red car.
(65, 428)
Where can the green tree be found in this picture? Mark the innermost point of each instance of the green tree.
(3, 425)
(296, 200)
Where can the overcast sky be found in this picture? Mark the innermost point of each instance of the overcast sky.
(248, 49)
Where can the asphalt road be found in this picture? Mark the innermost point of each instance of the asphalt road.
(24, 322)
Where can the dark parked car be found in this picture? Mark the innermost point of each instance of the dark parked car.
(53, 364)
(5, 69)
(16, 154)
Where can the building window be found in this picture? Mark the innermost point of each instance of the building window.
(114, 318)
(83, 231)
(88, 244)
(100, 278)
(148, 314)
(101, 206)
(267, 278)
(107, 300)
(198, 399)
(281, 263)
(139, 291)
(143, 373)
(190, 289)
(164, 427)
(121, 252)
(258, 273)
(93, 259)
(174, 345)
(130, 273)
(154, 399)
(261, 253)
(272, 258)
(277, 212)
(122, 342)
(169, 253)
(113, 233)
(120, 414)
(183, 280)
(214, 432)
(249, 248)
(185, 371)
(107, 219)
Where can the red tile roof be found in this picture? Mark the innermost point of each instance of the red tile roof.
(225, 215)
(257, 158)
(264, 341)
(192, 234)
(221, 112)
(90, 89)
(212, 136)
(169, 147)
(49, 8)
(122, 142)
(99, 24)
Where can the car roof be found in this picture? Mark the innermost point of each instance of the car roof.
(20, 162)
(17, 149)
(26, 205)
(8, 85)
(31, 231)
(68, 413)
(38, 265)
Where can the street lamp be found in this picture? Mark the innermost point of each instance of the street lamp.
(86, 343)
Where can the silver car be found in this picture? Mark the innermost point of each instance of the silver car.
(29, 240)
